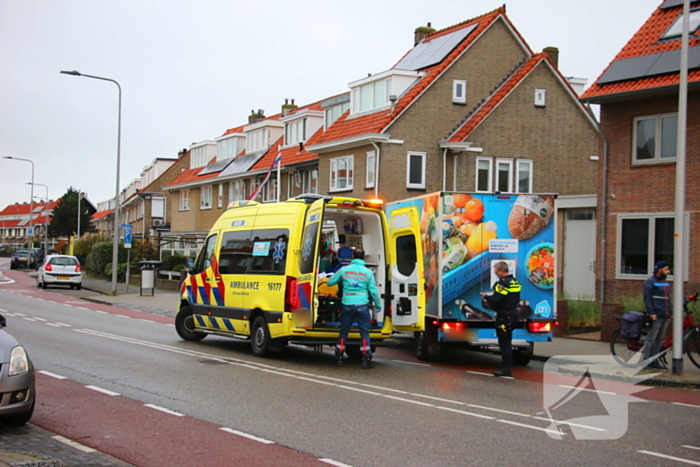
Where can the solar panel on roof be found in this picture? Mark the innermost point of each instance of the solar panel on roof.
(23, 222)
(650, 65)
(430, 52)
(675, 3)
(215, 167)
(38, 208)
(243, 163)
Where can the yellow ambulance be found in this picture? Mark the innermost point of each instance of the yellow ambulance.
(258, 274)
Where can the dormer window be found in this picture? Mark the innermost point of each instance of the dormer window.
(229, 146)
(201, 154)
(299, 126)
(334, 113)
(257, 140)
(295, 132)
(374, 92)
(676, 28)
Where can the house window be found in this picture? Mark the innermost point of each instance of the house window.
(310, 181)
(415, 170)
(676, 28)
(254, 184)
(540, 97)
(371, 96)
(484, 170)
(334, 113)
(295, 132)
(220, 199)
(459, 91)
(504, 175)
(655, 138)
(205, 199)
(198, 157)
(524, 174)
(341, 173)
(236, 191)
(645, 239)
(369, 179)
(269, 190)
(184, 200)
(256, 140)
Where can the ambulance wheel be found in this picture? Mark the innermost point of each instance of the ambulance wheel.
(184, 325)
(523, 355)
(421, 346)
(260, 340)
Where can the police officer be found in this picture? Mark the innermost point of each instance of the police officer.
(358, 285)
(504, 301)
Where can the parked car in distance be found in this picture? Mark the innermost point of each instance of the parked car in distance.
(23, 259)
(60, 270)
(38, 255)
(17, 381)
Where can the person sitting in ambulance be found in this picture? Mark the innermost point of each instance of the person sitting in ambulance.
(327, 255)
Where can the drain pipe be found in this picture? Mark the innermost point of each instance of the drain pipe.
(376, 169)
(603, 207)
(444, 169)
(454, 174)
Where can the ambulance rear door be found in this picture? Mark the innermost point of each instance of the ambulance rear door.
(407, 276)
(306, 300)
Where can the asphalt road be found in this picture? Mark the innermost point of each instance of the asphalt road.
(123, 382)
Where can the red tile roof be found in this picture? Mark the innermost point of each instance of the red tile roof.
(376, 122)
(496, 98)
(647, 41)
(101, 214)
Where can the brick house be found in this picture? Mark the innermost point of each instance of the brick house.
(14, 222)
(638, 97)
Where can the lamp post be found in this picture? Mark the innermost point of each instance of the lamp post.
(115, 245)
(31, 200)
(46, 219)
(79, 200)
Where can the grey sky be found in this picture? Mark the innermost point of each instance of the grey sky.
(190, 70)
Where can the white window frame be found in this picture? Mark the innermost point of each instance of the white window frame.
(368, 90)
(254, 184)
(184, 200)
(651, 217)
(205, 195)
(509, 163)
(370, 169)
(220, 199)
(519, 163)
(269, 190)
(457, 96)
(409, 156)
(540, 97)
(489, 177)
(676, 28)
(657, 139)
(236, 191)
(295, 131)
(334, 179)
(307, 181)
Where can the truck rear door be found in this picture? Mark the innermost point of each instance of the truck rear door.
(407, 275)
(305, 314)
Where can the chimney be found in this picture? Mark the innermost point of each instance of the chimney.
(254, 117)
(420, 33)
(287, 107)
(553, 53)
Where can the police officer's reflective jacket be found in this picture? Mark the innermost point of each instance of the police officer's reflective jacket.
(506, 295)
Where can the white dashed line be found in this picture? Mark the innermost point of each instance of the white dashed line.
(246, 435)
(686, 405)
(479, 373)
(690, 447)
(163, 409)
(336, 463)
(411, 363)
(664, 456)
(590, 390)
(53, 375)
(40, 319)
(64, 324)
(123, 316)
(103, 391)
(30, 319)
(52, 324)
(71, 443)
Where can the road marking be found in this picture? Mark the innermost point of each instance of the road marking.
(479, 373)
(53, 375)
(103, 391)
(686, 405)
(83, 308)
(163, 409)
(41, 319)
(562, 422)
(690, 447)
(498, 410)
(408, 400)
(30, 319)
(246, 435)
(463, 412)
(532, 427)
(101, 312)
(52, 324)
(336, 463)
(71, 443)
(64, 324)
(589, 390)
(19, 314)
(411, 363)
(123, 316)
(664, 456)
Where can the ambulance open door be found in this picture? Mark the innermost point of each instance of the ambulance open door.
(307, 301)
(407, 276)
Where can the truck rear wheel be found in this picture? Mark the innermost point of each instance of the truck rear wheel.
(421, 346)
(523, 355)
(184, 325)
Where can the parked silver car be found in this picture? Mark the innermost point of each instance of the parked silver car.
(60, 270)
(17, 382)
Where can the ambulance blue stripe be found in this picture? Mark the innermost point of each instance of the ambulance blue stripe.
(229, 325)
(304, 299)
(200, 321)
(217, 296)
(190, 296)
(203, 293)
(214, 323)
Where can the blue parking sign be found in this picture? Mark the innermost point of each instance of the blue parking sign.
(127, 237)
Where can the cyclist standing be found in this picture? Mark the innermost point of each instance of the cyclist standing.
(657, 301)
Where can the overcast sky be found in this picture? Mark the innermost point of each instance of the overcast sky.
(189, 70)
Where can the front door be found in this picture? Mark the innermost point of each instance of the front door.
(579, 254)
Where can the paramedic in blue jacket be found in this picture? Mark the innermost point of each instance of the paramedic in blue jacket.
(358, 286)
(657, 301)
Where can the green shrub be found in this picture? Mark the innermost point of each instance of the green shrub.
(121, 271)
(170, 262)
(101, 255)
(633, 302)
(177, 268)
(583, 313)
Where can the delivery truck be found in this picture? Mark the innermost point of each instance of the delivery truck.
(442, 267)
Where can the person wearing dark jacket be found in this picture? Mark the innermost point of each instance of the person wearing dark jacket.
(657, 302)
(504, 301)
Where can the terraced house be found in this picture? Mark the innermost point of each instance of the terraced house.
(638, 97)
(469, 108)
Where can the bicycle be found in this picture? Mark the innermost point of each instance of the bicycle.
(624, 350)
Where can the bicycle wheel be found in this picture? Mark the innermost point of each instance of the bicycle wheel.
(625, 351)
(692, 346)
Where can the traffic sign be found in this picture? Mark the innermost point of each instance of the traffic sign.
(127, 235)
(127, 226)
(30, 231)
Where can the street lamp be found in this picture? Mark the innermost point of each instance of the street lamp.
(115, 245)
(46, 219)
(31, 200)
(79, 199)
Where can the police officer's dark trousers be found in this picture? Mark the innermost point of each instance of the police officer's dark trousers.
(505, 322)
